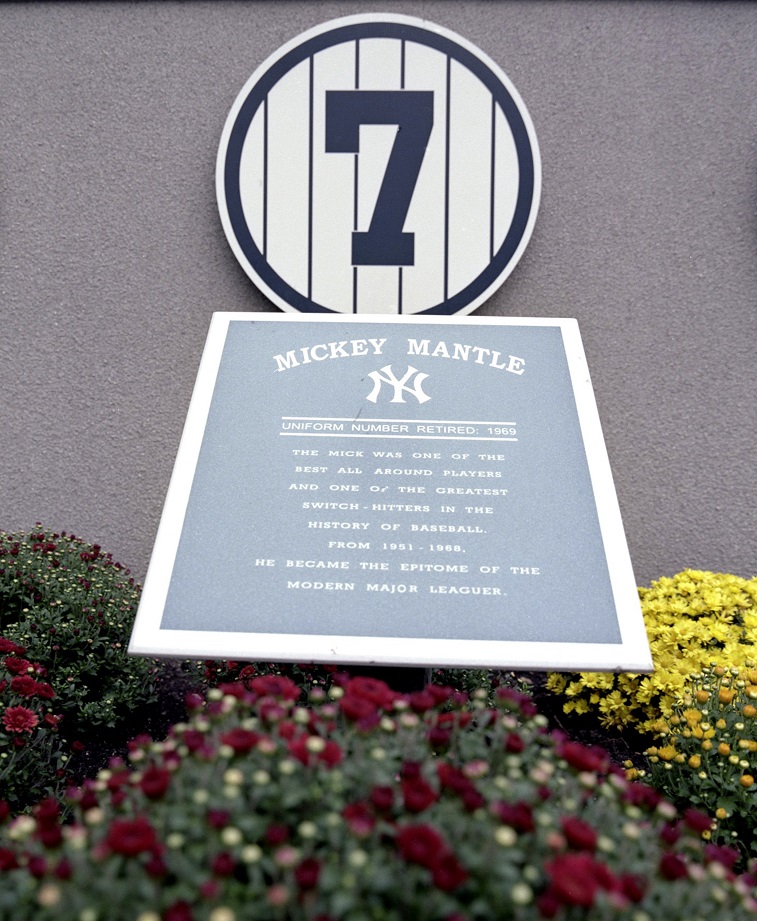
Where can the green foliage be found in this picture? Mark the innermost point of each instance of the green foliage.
(364, 804)
(708, 753)
(692, 619)
(72, 608)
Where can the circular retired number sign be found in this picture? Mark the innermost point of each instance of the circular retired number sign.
(378, 164)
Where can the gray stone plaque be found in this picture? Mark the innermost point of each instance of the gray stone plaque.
(399, 491)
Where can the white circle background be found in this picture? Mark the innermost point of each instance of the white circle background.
(297, 204)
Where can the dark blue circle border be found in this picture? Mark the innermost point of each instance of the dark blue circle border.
(378, 29)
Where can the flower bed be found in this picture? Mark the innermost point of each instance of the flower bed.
(362, 803)
(309, 800)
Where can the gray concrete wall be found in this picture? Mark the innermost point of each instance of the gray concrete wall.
(112, 256)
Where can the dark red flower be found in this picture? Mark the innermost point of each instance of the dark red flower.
(298, 748)
(573, 879)
(37, 866)
(44, 690)
(24, 685)
(670, 833)
(194, 740)
(240, 740)
(582, 758)
(418, 794)
(697, 821)
(548, 904)
(472, 799)
(514, 744)
(307, 872)
(633, 886)
(275, 686)
(421, 701)
(64, 869)
(8, 860)
(721, 854)
(410, 770)
(210, 889)
(17, 666)
(234, 689)
(8, 647)
(287, 729)
(131, 836)
(448, 873)
(517, 815)
(440, 693)
(193, 701)
(641, 795)
(19, 719)
(331, 755)
(156, 866)
(276, 834)
(439, 738)
(514, 700)
(360, 710)
(155, 782)
(272, 711)
(359, 818)
(179, 911)
(382, 798)
(579, 834)
(672, 867)
(218, 818)
(373, 690)
(223, 864)
(421, 844)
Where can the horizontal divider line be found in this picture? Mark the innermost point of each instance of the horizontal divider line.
(383, 435)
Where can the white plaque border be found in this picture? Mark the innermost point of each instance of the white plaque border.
(632, 654)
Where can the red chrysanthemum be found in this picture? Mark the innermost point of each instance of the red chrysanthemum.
(573, 879)
(448, 873)
(373, 690)
(697, 820)
(155, 782)
(418, 794)
(517, 815)
(275, 686)
(421, 701)
(17, 666)
(223, 864)
(582, 758)
(673, 867)
(24, 685)
(8, 860)
(131, 836)
(421, 844)
(179, 911)
(10, 648)
(359, 818)
(240, 740)
(307, 872)
(19, 719)
(382, 798)
(579, 834)
(360, 710)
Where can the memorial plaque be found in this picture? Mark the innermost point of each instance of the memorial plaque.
(399, 491)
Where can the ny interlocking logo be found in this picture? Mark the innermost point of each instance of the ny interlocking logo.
(400, 384)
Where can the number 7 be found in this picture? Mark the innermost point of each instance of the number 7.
(385, 242)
